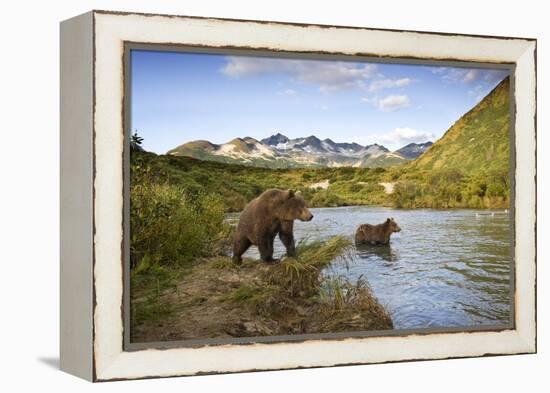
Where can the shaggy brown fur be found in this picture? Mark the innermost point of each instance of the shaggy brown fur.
(272, 213)
(376, 234)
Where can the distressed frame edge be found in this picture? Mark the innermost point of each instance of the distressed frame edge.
(304, 24)
(527, 340)
(76, 196)
(526, 137)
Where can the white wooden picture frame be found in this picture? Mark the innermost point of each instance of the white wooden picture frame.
(92, 194)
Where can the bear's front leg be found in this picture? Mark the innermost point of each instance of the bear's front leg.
(287, 237)
(265, 246)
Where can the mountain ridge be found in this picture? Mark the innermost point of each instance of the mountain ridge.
(279, 151)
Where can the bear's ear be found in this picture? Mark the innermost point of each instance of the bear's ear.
(388, 220)
(290, 193)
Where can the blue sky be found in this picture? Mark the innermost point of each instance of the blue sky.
(178, 97)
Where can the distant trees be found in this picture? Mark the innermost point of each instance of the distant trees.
(451, 188)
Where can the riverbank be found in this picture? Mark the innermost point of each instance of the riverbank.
(217, 299)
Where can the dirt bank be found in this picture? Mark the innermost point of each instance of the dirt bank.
(388, 187)
(217, 299)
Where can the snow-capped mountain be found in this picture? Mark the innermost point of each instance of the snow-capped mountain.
(314, 145)
(278, 151)
(276, 140)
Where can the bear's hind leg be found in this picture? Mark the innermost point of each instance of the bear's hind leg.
(239, 248)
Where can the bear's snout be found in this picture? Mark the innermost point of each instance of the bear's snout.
(305, 215)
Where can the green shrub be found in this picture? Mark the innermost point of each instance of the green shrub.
(325, 198)
(452, 189)
(354, 187)
(169, 227)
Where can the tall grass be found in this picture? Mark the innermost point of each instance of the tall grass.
(348, 304)
(339, 292)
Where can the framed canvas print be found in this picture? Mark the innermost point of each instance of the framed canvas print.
(246, 195)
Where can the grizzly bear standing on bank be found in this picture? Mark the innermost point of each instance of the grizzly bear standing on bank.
(376, 234)
(272, 213)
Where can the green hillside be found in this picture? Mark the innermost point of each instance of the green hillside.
(478, 141)
(468, 166)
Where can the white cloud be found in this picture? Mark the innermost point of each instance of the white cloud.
(438, 70)
(324, 107)
(469, 75)
(388, 83)
(287, 92)
(328, 75)
(393, 103)
(399, 137)
(389, 103)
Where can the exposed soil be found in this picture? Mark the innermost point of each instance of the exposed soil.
(322, 184)
(218, 299)
(388, 187)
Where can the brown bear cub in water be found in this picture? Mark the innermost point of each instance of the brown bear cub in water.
(376, 234)
(272, 213)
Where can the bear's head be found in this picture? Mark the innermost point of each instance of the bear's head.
(393, 225)
(293, 207)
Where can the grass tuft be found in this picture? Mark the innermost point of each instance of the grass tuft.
(350, 303)
(299, 276)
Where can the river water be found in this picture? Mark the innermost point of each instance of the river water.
(446, 268)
